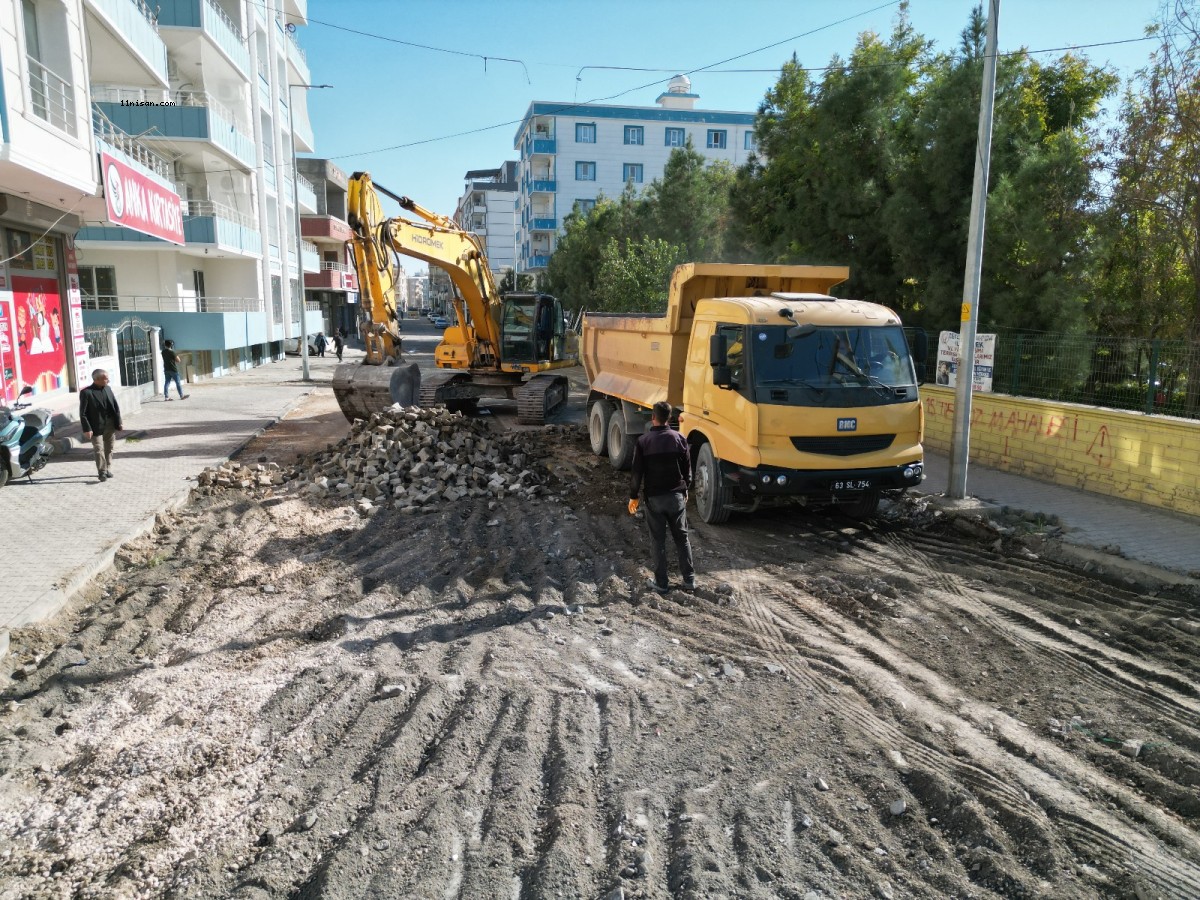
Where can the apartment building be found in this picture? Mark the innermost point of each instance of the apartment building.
(333, 289)
(47, 185)
(571, 153)
(488, 207)
(195, 105)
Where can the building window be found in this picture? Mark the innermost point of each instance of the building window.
(585, 206)
(632, 172)
(26, 252)
(98, 285)
(675, 137)
(716, 139)
(585, 171)
(585, 133)
(635, 134)
(750, 144)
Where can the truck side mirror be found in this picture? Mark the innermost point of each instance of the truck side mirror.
(718, 350)
(722, 376)
(920, 352)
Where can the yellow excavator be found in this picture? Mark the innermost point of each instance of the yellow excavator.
(498, 346)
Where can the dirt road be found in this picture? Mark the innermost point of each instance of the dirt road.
(290, 699)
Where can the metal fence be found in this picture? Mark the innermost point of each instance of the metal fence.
(1142, 374)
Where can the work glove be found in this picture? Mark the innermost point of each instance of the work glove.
(633, 506)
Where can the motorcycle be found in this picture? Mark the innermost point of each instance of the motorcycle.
(25, 439)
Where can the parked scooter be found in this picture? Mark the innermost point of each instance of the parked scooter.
(25, 439)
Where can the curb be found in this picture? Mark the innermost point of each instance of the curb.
(54, 599)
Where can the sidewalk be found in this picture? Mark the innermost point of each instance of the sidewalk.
(65, 526)
(1146, 534)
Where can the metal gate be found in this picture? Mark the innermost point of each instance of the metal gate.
(133, 356)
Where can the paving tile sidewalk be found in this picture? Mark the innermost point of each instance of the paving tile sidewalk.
(64, 527)
(1143, 533)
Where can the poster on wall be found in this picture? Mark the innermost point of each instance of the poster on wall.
(75, 307)
(947, 360)
(40, 332)
(8, 353)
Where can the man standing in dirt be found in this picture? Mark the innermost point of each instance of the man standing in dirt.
(662, 463)
(100, 418)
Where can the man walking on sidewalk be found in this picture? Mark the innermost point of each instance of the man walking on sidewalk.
(171, 371)
(339, 344)
(100, 418)
(662, 461)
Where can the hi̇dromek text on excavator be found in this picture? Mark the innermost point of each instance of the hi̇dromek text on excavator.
(502, 347)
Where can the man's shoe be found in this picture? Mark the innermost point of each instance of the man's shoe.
(108, 474)
(184, 396)
(168, 399)
(659, 589)
(689, 584)
(101, 476)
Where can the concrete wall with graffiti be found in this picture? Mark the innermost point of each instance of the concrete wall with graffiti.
(1148, 459)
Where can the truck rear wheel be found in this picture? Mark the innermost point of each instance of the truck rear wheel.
(598, 417)
(620, 444)
(712, 493)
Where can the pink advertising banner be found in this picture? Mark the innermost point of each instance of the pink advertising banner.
(136, 201)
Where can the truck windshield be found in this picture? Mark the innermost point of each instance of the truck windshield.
(832, 366)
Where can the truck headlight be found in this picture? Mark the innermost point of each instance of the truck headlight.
(766, 479)
(909, 472)
(781, 480)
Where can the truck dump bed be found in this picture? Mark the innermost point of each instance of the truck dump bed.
(641, 357)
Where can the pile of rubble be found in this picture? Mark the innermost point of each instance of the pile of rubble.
(411, 458)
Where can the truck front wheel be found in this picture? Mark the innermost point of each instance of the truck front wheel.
(712, 493)
(620, 444)
(598, 418)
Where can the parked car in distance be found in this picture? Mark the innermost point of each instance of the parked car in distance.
(441, 322)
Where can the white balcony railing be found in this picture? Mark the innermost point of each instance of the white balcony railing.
(146, 303)
(106, 131)
(334, 267)
(51, 97)
(220, 211)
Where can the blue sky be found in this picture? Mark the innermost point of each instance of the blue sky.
(417, 119)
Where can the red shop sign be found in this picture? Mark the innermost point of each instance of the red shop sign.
(139, 202)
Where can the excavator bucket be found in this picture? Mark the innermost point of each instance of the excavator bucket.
(362, 390)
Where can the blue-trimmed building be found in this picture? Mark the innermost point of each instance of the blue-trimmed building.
(571, 153)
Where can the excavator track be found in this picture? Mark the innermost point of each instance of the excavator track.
(363, 390)
(445, 387)
(540, 396)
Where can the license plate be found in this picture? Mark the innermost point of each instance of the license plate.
(855, 484)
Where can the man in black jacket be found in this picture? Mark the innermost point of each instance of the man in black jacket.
(100, 419)
(662, 462)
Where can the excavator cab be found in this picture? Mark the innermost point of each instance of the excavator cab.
(532, 329)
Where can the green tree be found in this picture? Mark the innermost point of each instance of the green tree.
(574, 269)
(1153, 257)
(511, 281)
(689, 205)
(635, 275)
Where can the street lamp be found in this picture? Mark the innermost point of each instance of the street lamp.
(299, 242)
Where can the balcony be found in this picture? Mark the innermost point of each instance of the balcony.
(306, 194)
(269, 175)
(51, 97)
(546, 146)
(135, 150)
(331, 277)
(176, 114)
(295, 56)
(325, 228)
(297, 9)
(544, 224)
(264, 92)
(204, 222)
(310, 257)
(213, 21)
(149, 303)
(543, 186)
(538, 261)
(125, 25)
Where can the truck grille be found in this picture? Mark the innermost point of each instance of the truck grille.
(843, 445)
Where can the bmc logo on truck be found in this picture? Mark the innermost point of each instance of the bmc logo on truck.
(847, 424)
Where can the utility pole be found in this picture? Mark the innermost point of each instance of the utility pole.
(960, 440)
(305, 376)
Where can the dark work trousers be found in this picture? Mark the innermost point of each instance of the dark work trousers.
(669, 511)
(102, 446)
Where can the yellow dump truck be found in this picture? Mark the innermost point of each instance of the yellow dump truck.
(782, 391)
